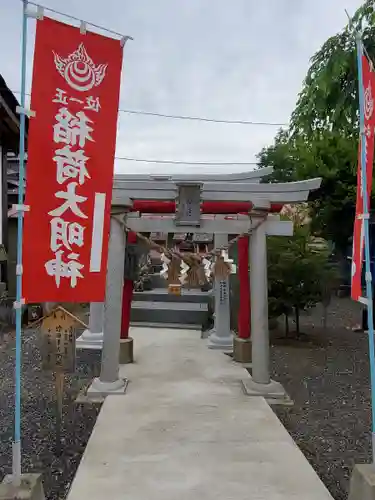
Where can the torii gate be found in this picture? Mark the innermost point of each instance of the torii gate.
(189, 196)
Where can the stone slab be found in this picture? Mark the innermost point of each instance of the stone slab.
(169, 312)
(274, 393)
(362, 482)
(162, 295)
(185, 430)
(31, 488)
(90, 395)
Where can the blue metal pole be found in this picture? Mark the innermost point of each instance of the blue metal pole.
(370, 312)
(16, 466)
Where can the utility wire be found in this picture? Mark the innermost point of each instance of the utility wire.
(173, 162)
(202, 119)
(184, 117)
(194, 118)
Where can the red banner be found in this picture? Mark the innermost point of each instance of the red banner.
(358, 236)
(71, 148)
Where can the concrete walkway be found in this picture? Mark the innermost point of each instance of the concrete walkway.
(186, 431)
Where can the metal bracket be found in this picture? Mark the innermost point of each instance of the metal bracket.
(18, 304)
(188, 205)
(17, 209)
(36, 14)
(363, 216)
(23, 111)
(261, 204)
(364, 301)
(83, 28)
(124, 39)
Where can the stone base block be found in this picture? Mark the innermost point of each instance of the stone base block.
(90, 340)
(223, 343)
(362, 482)
(242, 350)
(126, 351)
(31, 488)
(274, 393)
(98, 391)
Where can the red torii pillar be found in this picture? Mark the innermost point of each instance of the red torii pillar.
(241, 343)
(243, 275)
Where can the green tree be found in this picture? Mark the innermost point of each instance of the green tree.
(322, 139)
(300, 274)
(329, 97)
(328, 155)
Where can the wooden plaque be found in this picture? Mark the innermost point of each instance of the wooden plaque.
(58, 337)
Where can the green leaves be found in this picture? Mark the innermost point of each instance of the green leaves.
(329, 155)
(328, 99)
(299, 272)
(322, 140)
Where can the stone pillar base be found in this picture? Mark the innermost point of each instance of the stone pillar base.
(99, 390)
(362, 482)
(126, 351)
(242, 350)
(220, 342)
(273, 392)
(31, 488)
(90, 340)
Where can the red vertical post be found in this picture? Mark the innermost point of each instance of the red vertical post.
(243, 275)
(127, 296)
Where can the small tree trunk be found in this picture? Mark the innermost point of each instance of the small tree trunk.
(296, 311)
(325, 317)
(286, 325)
(326, 302)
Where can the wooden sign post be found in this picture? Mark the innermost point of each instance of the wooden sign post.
(58, 348)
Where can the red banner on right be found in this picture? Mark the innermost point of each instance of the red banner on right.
(358, 235)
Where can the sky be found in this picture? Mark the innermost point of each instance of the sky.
(221, 59)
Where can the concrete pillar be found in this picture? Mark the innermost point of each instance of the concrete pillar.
(92, 338)
(259, 306)
(126, 342)
(221, 336)
(260, 383)
(109, 381)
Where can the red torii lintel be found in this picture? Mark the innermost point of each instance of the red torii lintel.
(207, 207)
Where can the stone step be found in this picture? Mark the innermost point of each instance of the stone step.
(162, 295)
(169, 312)
(174, 326)
(156, 268)
(158, 281)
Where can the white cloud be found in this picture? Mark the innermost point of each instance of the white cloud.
(237, 59)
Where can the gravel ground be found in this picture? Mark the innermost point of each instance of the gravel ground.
(38, 415)
(327, 376)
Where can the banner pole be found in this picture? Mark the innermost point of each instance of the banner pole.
(16, 459)
(365, 215)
